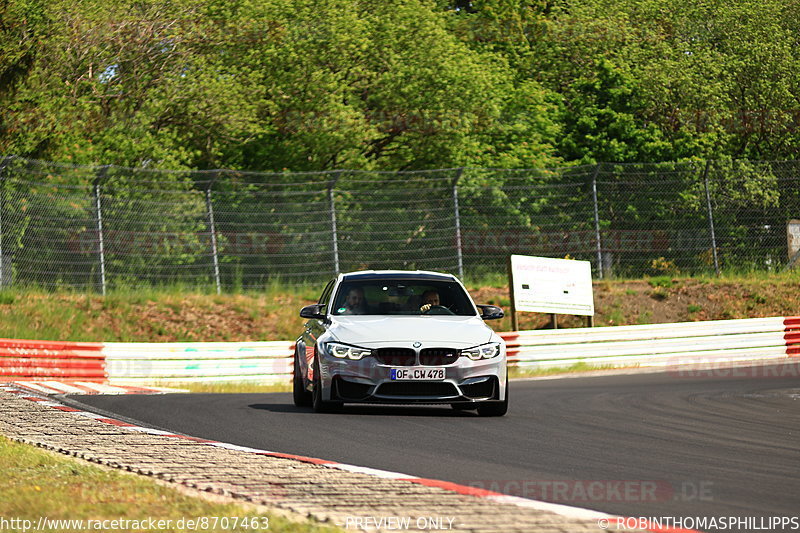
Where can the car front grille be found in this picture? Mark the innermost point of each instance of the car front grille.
(417, 388)
(438, 356)
(396, 356)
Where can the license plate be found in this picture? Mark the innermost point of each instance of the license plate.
(417, 374)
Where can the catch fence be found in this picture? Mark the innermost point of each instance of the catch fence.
(93, 228)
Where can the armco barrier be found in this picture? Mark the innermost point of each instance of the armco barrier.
(792, 336)
(712, 342)
(139, 362)
(24, 359)
(664, 345)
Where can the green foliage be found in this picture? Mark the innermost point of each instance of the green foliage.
(660, 281)
(602, 120)
(258, 85)
(715, 78)
(306, 85)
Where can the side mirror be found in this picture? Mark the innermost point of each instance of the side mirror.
(312, 311)
(490, 312)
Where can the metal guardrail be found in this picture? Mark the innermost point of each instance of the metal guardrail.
(27, 359)
(657, 345)
(719, 342)
(138, 363)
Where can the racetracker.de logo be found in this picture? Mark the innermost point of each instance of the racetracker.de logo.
(595, 490)
(726, 370)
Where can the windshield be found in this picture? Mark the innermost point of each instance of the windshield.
(402, 297)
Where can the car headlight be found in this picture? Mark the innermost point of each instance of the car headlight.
(484, 351)
(343, 351)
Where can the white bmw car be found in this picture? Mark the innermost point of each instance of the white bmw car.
(400, 337)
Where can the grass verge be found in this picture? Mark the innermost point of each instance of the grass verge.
(186, 314)
(228, 387)
(515, 372)
(38, 483)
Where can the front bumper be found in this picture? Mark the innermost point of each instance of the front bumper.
(369, 381)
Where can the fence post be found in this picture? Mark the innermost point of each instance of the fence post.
(99, 177)
(212, 228)
(459, 248)
(3, 164)
(334, 232)
(597, 222)
(711, 218)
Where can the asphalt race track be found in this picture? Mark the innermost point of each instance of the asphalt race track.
(718, 444)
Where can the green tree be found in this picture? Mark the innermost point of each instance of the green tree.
(718, 78)
(378, 86)
(602, 121)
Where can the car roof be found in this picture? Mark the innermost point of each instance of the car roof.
(419, 275)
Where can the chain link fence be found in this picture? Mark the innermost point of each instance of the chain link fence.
(93, 228)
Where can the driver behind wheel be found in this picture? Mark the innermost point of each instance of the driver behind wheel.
(429, 299)
(355, 303)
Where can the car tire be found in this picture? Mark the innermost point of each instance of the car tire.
(495, 408)
(319, 405)
(302, 398)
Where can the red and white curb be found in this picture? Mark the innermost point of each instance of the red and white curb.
(89, 387)
(574, 513)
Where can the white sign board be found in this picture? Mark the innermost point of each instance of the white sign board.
(545, 285)
(793, 237)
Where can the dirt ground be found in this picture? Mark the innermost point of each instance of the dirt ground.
(666, 300)
(255, 317)
(616, 303)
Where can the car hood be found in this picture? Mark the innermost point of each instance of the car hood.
(431, 331)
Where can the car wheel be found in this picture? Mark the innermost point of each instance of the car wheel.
(495, 408)
(302, 398)
(319, 405)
